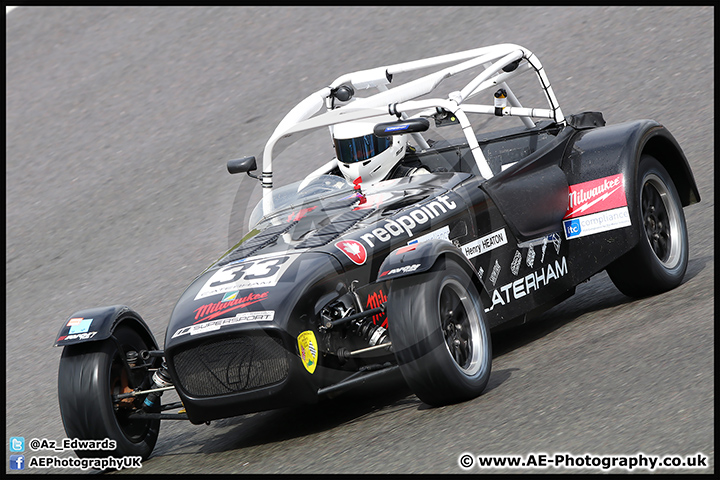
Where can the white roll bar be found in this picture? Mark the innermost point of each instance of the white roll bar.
(501, 63)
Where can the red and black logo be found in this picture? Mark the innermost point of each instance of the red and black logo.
(374, 300)
(216, 309)
(354, 251)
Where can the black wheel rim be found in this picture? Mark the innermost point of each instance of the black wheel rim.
(660, 220)
(461, 327)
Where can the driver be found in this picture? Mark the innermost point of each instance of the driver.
(362, 154)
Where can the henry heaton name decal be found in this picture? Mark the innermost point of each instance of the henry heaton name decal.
(484, 244)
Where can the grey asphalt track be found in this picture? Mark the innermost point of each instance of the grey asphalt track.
(119, 124)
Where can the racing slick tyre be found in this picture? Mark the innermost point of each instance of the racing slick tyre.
(439, 334)
(659, 261)
(89, 374)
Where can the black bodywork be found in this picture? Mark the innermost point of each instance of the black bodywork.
(237, 339)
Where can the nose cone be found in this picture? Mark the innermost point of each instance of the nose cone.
(254, 292)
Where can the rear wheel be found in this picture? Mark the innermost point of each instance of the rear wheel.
(89, 375)
(439, 335)
(659, 261)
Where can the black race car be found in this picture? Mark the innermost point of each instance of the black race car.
(340, 283)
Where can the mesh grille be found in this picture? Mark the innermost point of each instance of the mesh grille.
(220, 367)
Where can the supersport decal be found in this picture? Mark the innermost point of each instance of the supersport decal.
(78, 336)
(404, 269)
(260, 316)
(229, 303)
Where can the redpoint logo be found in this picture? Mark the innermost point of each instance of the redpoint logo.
(405, 224)
(596, 196)
(354, 251)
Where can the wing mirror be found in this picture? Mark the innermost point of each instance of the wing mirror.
(411, 125)
(242, 165)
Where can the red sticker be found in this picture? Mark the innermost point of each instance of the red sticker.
(375, 300)
(216, 309)
(354, 251)
(596, 196)
(297, 216)
(372, 201)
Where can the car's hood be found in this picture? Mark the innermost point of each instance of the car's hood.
(262, 279)
(390, 212)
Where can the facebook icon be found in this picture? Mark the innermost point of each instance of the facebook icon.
(17, 462)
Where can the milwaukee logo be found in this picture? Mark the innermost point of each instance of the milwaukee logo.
(596, 196)
(405, 224)
(214, 310)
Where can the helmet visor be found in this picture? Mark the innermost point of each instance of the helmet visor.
(358, 149)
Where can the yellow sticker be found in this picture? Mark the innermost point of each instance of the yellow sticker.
(307, 346)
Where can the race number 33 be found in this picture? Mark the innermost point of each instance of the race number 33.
(252, 272)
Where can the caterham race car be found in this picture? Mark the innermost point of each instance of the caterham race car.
(398, 257)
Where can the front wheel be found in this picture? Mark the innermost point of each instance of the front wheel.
(88, 377)
(439, 334)
(659, 261)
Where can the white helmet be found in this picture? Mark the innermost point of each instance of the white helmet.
(360, 153)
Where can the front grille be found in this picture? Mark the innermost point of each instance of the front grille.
(219, 367)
